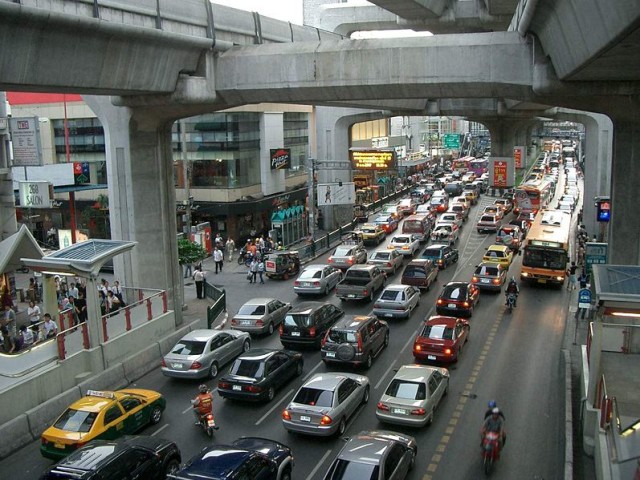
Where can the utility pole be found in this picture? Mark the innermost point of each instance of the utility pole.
(185, 175)
(312, 198)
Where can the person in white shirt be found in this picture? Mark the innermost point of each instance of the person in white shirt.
(49, 326)
(218, 257)
(73, 291)
(198, 276)
(33, 312)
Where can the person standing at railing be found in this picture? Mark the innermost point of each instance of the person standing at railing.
(9, 319)
(49, 326)
(33, 312)
(73, 291)
(27, 336)
(117, 291)
(81, 308)
(71, 307)
(198, 276)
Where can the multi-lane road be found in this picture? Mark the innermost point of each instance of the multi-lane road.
(514, 359)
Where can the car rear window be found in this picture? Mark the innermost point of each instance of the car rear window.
(487, 218)
(390, 295)
(189, 347)
(482, 270)
(381, 256)
(76, 420)
(437, 332)
(406, 390)
(306, 274)
(302, 320)
(352, 470)
(314, 397)
(453, 293)
(342, 252)
(414, 272)
(431, 252)
(401, 240)
(251, 310)
(342, 336)
(247, 368)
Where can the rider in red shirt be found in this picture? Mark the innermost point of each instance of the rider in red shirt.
(203, 403)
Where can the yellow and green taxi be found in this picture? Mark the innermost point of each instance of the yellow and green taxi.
(372, 233)
(498, 254)
(104, 415)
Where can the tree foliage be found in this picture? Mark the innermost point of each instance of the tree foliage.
(190, 252)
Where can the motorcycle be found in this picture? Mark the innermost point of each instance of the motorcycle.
(511, 301)
(208, 423)
(245, 257)
(490, 450)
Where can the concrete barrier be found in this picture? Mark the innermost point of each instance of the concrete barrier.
(111, 379)
(142, 362)
(167, 343)
(41, 417)
(14, 434)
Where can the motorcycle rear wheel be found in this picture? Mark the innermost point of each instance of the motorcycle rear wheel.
(488, 464)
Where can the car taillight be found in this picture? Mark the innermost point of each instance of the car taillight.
(164, 364)
(441, 262)
(234, 321)
(447, 351)
(440, 301)
(417, 347)
(316, 284)
(286, 415)
(418, 411)
(259, 323)
(365, 292)
(312, 331)
(359, 336)
(496, 281)
(350, 260)
(324, 339)
(382, 406)
(325, 420)
(195, 366)
(465, 304)
(253, 389)
(296, 283)
(389, 264)
(330, 260)
(281, 329)
(474, 279)
(44, 441)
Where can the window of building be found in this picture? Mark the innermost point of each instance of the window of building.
(85, 135)
(296, 138)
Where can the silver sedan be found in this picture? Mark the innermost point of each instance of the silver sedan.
(260, 315)
(317, 279)
(201, 353)
(413, 395)
(324, 403)
(389, 261)
(397, 301)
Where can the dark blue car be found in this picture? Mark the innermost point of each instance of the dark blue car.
(247, 457)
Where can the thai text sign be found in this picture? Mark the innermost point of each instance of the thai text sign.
(373, 159)
(25, 140)
(499, 173)
(518, 155)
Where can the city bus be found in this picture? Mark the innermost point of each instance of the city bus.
(546, 248)
(461, 165)
(532, 196)
(479, 166)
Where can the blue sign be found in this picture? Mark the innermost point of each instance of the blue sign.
(604, 210)
(584, 298)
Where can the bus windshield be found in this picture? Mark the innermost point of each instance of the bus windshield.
(555, 259)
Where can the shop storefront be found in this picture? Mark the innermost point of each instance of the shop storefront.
(290, 224)
(244, 219)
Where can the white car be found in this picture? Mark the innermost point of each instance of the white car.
(406, 244)
(445, 232)
(451, 217)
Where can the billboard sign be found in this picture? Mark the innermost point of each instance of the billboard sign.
(518, 156)
(25, 141)
(81, 173)
(451, 141)
(595, 253)
(280, 158)
(373, 159)
(342, 193)
(499, 173)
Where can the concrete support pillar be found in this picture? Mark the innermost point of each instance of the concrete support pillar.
(271, 137)
(94, 314)
(623, 238)
(503, 135)
(8, 223)
(142, 200)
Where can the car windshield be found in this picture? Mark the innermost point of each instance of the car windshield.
(76, 421)
(189, 347)
(342, 252)
(342, 336)
(308, 274)
(368, 229)
(314, 397)
(437, 332)
(414, 272)
(487, 218)
(381, 256)
(401, 240)
(413, 226)
(302, 320)
(248, 309)
(247, 368)
(390, 295)
(351, 470)
(406, 390)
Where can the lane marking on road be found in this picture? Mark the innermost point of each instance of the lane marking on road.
(457, 413)
(388, 370)
(308, 375)
(264, 417)
(319, 464)
(188, 409)
(160, 429)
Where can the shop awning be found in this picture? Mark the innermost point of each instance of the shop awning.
(19, 245)
(82, 259)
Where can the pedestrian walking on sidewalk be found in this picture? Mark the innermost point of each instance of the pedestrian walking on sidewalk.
(261, 270)
(253, 269)
(198, 276)
(218, 257)
(572, 276)
(188, 270)
(230, 247)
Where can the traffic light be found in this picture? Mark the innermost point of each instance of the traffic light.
(603, 206)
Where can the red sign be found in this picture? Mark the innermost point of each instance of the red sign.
(517, 157)
(499, 174)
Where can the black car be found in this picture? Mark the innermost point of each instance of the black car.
(246, 458)
(458, 299)
(257, 374)
(306, 324)
(440, 254)
(140, 457)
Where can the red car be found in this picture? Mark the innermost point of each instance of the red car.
(458, 298)
(388, 223)
(441, 339)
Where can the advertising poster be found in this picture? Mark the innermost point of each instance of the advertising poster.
(280, 158)
(499, 173)
(336, 194)
(518, 156)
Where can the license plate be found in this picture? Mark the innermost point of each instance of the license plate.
(295, 334)
(304, 418)
(177, 366)
(351, 295)
(542, 280)
(59, 445)
(306, 284)
(452, 305)
(388, 315)
(331, 354)
(484, 280)
(400, 411)
(237, 387)
(211, 423)
(431, 357)
(245, 322)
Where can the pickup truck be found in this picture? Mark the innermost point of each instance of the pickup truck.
(361, 281)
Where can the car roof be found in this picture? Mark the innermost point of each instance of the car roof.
(201, 335)
(436, 246)
(362, 267)
(396, 286)
(326, 381)
(366, 447)
(415, 372)
(259, 301)
(258, 354)
(321, 266)
(307, 307)
(351, 322)
(499, 248)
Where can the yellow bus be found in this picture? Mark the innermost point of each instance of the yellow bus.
(546, 248)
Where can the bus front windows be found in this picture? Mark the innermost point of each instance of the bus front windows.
(542, 258)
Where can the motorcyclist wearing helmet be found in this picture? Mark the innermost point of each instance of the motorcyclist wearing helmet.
(512, 289)
(203, 403)
(494, 423)
(493, 405)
